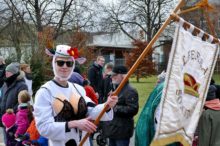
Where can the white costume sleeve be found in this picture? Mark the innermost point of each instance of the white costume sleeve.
(93, 112)
(43, 113)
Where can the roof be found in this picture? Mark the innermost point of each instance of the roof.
(116, 40)
(112, 46)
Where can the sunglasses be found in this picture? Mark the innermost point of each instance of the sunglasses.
(60, 63)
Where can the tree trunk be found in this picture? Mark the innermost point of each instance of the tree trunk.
(18, 52)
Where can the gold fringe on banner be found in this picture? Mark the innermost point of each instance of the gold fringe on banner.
(171, 139)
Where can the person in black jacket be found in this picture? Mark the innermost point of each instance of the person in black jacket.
(2, 71)
(95, 76)
(120, 129)
(107, 81)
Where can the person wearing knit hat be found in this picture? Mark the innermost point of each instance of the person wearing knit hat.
(13, 84)
(56, 103)
(13, 68)
(8, 120)
(208, 127)
(12, 71)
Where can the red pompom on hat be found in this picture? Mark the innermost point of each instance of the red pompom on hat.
(9, 118)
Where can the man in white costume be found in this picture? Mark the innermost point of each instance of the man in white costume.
(62, 110)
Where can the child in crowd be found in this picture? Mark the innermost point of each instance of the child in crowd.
(90, 92)
(8, 120)
(24, 114)
(28, 78)
(33, 137)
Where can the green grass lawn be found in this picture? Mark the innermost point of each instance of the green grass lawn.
(144, 88)
(217, 78)
(146, 85)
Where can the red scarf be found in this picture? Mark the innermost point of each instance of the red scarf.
(213, 104)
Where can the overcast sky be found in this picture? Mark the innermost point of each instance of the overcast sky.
(109, 1)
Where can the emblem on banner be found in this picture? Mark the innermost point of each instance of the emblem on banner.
(190, 85)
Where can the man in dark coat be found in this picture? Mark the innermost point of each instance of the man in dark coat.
(95, 76)
(120, 129)
(14, 83)
(107, 81)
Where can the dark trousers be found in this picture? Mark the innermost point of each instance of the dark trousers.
(119, 142)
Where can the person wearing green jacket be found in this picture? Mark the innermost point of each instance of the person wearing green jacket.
(208, 127)
(145, 128)
(146, 124)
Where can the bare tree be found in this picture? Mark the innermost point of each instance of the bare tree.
(134, 16)
(139, 20)
(61, 16)
(12, 27)
(42, 21)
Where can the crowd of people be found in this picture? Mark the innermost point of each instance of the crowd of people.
(16, 105)
(64, 108)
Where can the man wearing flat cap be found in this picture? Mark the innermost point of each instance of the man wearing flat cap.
(120, 129)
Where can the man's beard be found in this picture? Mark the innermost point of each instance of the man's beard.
(115, 86)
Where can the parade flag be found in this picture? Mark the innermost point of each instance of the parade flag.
(190, 68)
